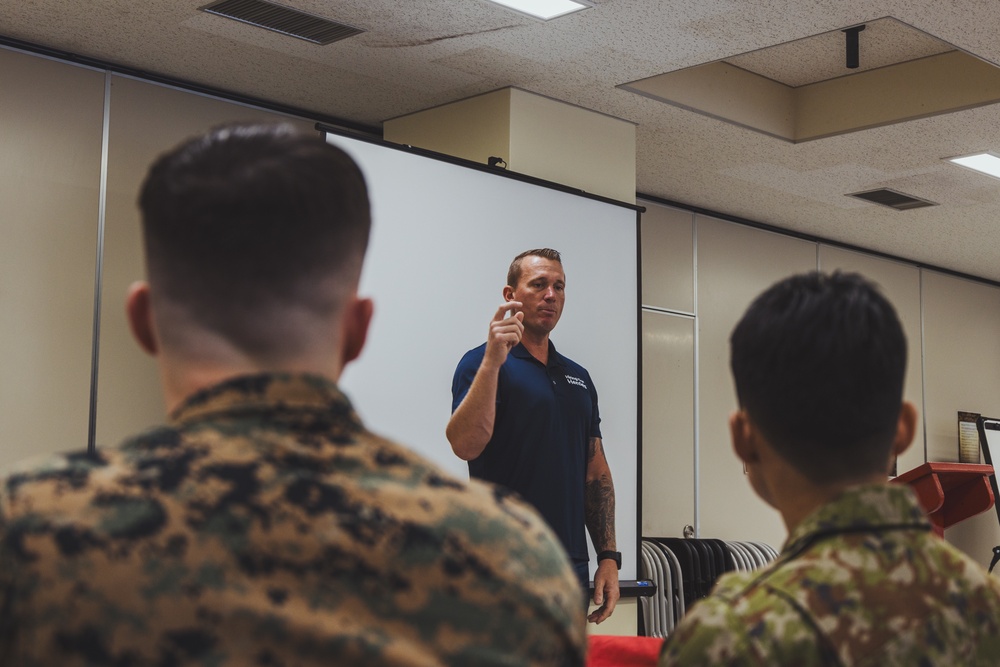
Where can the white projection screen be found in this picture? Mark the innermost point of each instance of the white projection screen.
(443, 235)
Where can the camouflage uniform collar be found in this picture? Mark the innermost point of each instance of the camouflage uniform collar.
(291, 391)
(867, 508)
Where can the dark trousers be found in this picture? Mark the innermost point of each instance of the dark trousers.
(582, 569)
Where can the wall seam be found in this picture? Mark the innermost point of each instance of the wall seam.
(923, 364)
(697, 384)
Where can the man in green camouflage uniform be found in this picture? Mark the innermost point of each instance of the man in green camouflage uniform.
(818, 363)
(264, 525)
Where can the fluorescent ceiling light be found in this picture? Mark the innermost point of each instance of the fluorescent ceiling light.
(544, 9)
(986, 163)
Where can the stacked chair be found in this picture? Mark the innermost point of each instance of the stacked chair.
(685, 570)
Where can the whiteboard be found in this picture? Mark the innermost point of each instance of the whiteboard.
(989, 441)
(443, 235)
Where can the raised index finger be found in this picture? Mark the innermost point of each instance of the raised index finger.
(511, 306)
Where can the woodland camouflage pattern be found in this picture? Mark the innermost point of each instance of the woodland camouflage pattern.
(862, 581)
(265, 526)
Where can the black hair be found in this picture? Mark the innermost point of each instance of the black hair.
(248, 217)
(819, 363)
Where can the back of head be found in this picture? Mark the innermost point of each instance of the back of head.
(819, 362)
(249, 224)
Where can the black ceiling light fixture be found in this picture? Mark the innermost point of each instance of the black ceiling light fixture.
(853, 46)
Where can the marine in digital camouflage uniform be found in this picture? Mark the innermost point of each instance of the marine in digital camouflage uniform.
(818, 362)
(862, 581)
(264, 524)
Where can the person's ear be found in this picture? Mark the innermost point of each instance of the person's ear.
(140, 317)
(743, 434)
(906, 428)
(508, 293)
(357, 318)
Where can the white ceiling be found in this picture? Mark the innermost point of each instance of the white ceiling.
(420, 53)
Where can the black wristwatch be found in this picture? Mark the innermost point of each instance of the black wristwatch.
(616, 556)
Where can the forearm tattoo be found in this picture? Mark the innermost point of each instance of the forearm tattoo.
(599, 505)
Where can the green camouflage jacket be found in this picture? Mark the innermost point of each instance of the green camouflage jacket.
(265, 526)
(861, 581)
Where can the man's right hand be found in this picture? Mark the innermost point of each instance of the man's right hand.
(505, 332)
(471, 425)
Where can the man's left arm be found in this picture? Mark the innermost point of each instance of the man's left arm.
(599, 510)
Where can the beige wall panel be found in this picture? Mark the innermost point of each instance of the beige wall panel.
(735, 264)
(725, 91)
(936, 84)
(667, 257)
(667, 424)
(901, 285)
(476, 128)
(146, 119)
(961, 357)
(50, 167)
(572, 145)
(977, 536)
(961, 362)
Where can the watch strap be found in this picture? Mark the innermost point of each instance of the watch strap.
(616, 556)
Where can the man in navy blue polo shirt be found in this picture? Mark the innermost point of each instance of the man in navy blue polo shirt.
(526, 417)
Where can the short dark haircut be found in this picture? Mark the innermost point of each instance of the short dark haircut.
(514, 272)
(248, 218)
(819, 363)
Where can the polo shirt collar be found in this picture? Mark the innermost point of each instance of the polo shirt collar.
(555, 359)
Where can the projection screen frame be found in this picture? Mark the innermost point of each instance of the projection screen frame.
(635, 548)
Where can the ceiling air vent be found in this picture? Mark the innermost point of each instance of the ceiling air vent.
(892, 199)
(283, 19)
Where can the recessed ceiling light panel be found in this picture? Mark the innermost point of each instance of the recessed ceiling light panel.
(986, 163)
(544, 9)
